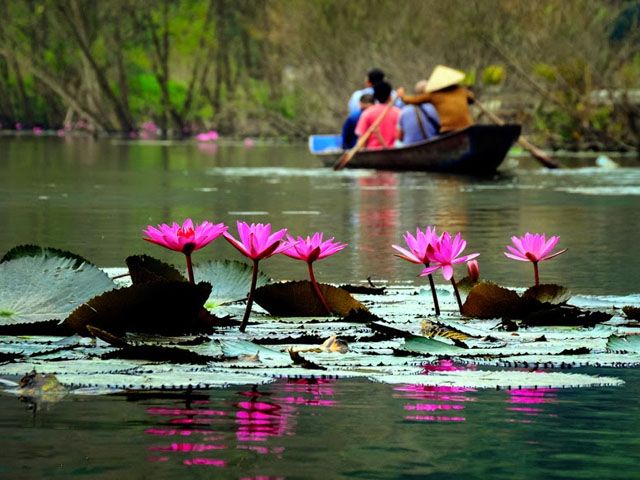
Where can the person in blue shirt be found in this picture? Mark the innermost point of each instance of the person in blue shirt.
(375, 75)
(349, 137)
(418, 122)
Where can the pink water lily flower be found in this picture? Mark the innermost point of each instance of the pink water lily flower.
(185, 238)
(417, 253)
(418, 245)
(534, 248)
(310, 249)
(256, 242)
(444, 255)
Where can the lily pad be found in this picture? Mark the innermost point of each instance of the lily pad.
(488, 300)
(230, 279)
(501, 379)
(168, 308)
(37, 289)
(144, 268)
(429, 346)
(548, 293)
(565, 315)
(37, 251)
(298, 299)
(626, 344)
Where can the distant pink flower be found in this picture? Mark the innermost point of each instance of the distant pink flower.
(210, 136)
(248, 142)
(185, 238)
(534, 248)
(256, 242)
(61, 132)
(18, 126)
(445, 254)
(310, 249)
(417, 253)
(473, 269)
(418, 245)
(37, 131)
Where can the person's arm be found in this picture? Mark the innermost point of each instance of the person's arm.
(413, 99)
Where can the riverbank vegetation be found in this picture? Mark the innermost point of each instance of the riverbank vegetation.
(567, 70)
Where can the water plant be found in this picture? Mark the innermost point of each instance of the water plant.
(473, 270)
(417, 253)
(534, 248)
(256, 242)
(444, 254)
(310, 249)
(185, 238)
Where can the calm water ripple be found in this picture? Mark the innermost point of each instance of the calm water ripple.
(95, 198)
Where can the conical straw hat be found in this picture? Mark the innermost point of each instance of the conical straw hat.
(443, 77)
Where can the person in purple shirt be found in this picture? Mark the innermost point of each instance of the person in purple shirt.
(418, 122)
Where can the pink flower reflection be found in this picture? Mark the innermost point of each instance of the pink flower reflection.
(187, 447)
(440, 398)
(262, 477)
(434, 418)
(529, 397)
(175, 412)
(310, 392)
(258, 421)
(208, 462)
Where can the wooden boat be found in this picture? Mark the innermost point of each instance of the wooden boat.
(476, 150)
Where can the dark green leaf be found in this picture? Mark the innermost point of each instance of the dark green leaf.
(168, 308)
(548, 293)
(488, 300)
(299, 299)
(144, 268)
(632, 313)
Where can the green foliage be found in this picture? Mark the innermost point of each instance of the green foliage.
(494, 75)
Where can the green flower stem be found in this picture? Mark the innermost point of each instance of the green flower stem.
(247, 312)
(536, 275)
(316, 287)
(434, 295)
(189, 267)
(455, 290)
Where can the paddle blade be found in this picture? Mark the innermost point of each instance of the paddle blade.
(343, 160)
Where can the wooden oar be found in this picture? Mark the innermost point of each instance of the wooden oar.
(524, 143)
(348, 155)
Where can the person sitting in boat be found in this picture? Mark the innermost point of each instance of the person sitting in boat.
(418, 122)
(349, 137)
(375, 75)
(447, 95)
(384, 135)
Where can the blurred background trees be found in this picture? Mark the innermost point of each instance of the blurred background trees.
(569, 70)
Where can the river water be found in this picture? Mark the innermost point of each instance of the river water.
(94, 198)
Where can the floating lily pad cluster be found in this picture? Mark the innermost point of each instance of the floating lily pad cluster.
(157, 329)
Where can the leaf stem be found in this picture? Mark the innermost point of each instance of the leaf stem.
(247, 312)
(316, 287)
(189, 267)
(434, 295)
(457, 293)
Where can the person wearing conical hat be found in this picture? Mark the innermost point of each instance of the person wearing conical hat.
(451, 99)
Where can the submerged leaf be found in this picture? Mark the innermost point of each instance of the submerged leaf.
(37, 289)
(144, 268)
(548, 293)
(168, 308)
(298, 299)
(564, 315)
(230, 279)
(37, 251)
(488, 300)
(632, 313)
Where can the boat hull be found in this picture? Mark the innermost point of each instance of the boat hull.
(477, 150)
